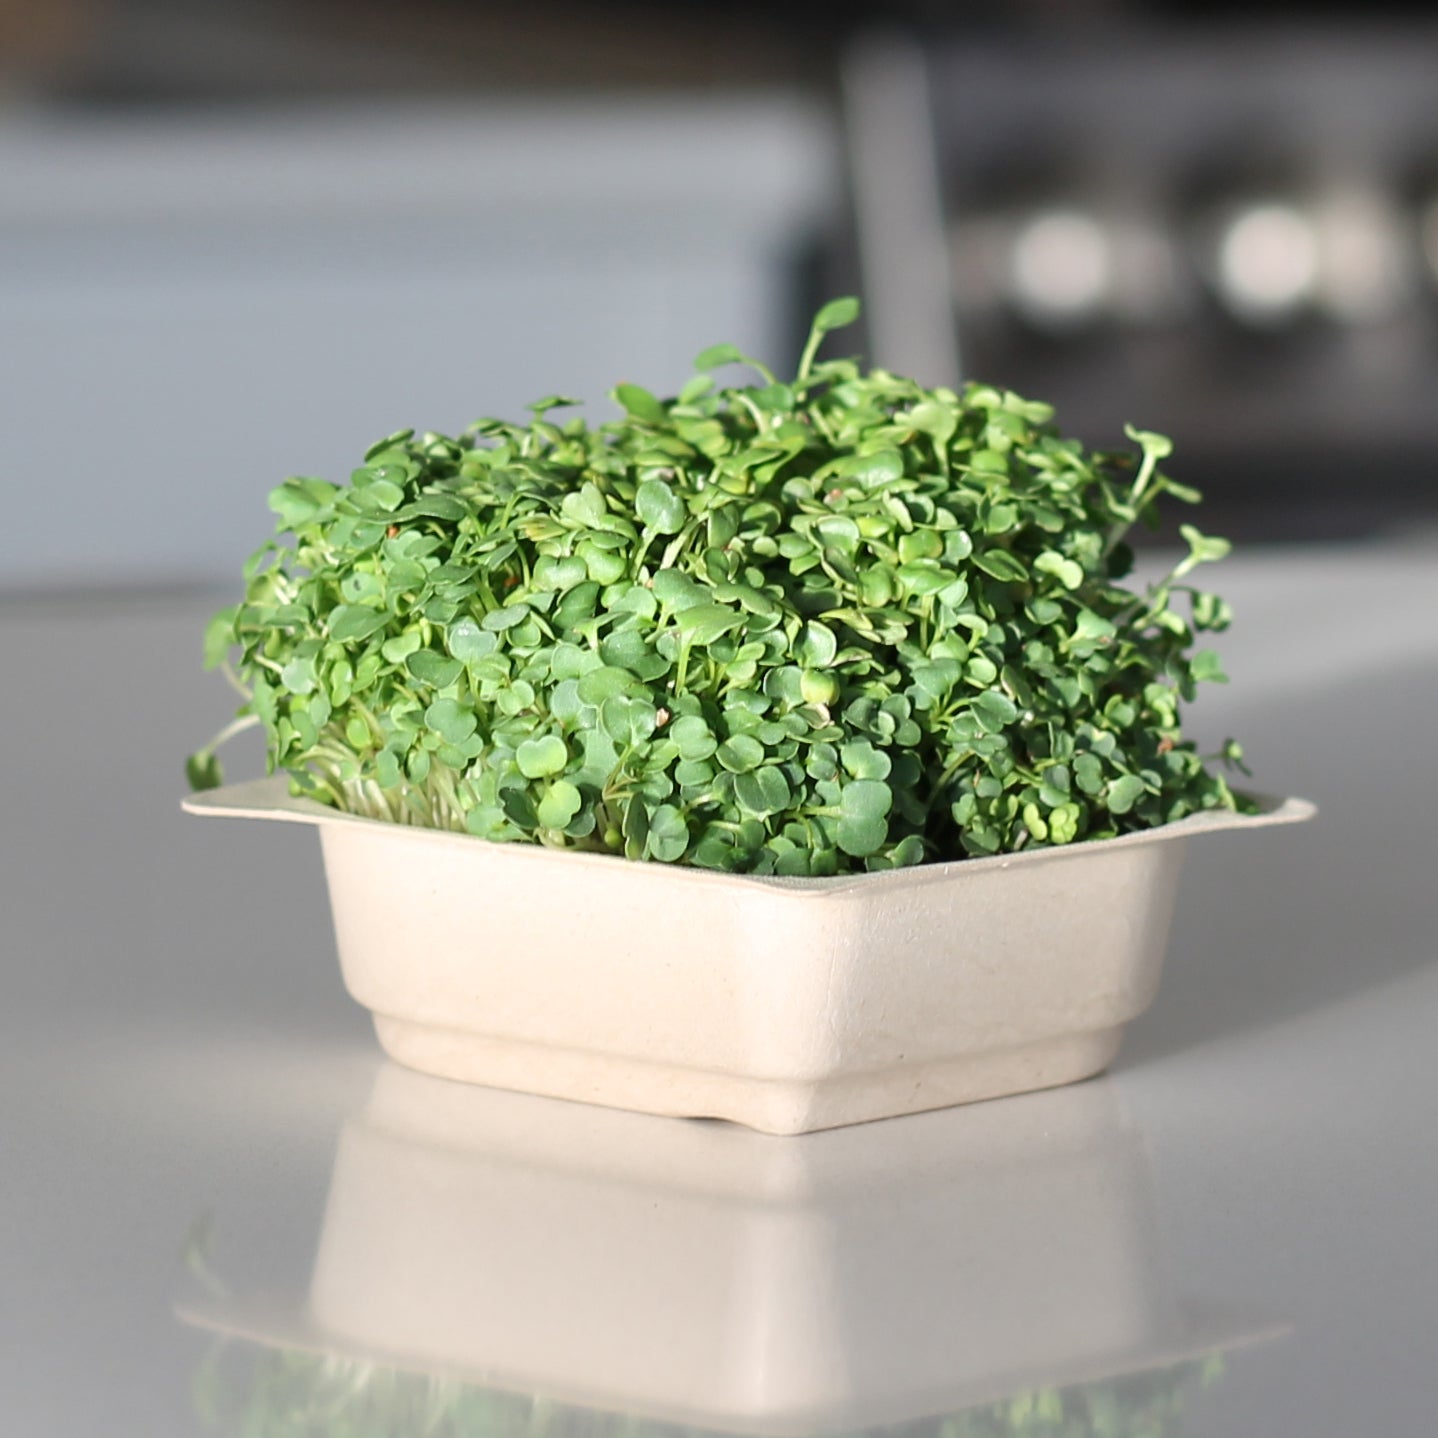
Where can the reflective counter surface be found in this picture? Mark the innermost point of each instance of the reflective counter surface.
(224, 1213)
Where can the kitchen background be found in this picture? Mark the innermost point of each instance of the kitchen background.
(241, 240)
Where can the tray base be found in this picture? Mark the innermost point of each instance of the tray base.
(771, 1106)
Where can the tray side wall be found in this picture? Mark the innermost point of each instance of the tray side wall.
(785, 1010)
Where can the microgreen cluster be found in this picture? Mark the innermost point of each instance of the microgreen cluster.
(837, 623)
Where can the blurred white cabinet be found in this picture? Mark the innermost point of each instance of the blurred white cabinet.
(192, 308)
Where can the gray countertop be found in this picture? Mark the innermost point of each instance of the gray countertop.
(210, 1172)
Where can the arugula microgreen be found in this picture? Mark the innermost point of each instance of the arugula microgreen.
(838, 623)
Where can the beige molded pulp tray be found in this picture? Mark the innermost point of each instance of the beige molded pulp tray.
(784, 1004)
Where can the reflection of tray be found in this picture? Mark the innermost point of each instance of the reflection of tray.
(707, 1275)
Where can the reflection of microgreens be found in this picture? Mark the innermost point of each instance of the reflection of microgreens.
(306, 1395)
(839, 623)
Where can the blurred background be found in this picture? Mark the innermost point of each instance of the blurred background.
(243, 238)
